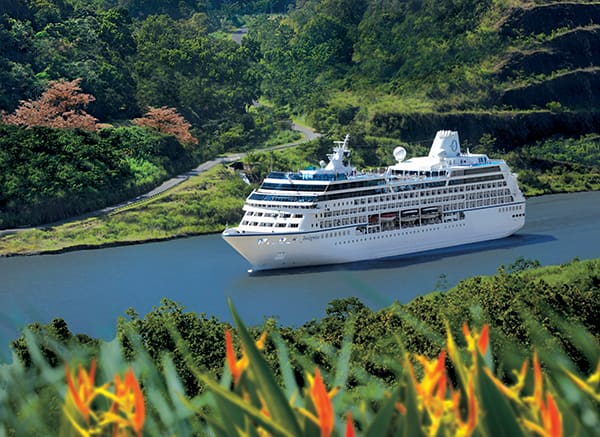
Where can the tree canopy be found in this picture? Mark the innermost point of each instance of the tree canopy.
(168, 121)
(62, 105)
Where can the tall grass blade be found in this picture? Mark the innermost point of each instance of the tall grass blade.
(273, 396)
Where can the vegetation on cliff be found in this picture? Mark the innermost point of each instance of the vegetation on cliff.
(504, 74)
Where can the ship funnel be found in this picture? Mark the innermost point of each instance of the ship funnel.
(445, 145)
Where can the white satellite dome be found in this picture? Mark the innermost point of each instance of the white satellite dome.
(399, 154)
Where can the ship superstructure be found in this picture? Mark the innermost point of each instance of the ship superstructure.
(334, 214)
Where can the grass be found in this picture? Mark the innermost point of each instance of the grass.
(373, 101)
(200, 205)
(570, 272)
(284, 137)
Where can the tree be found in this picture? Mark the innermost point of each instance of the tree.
(168, 121)
(61, 106)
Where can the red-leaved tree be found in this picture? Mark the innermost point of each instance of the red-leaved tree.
(168, 121)
(60, 106)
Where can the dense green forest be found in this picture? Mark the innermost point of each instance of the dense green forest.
(129, 57)
(513, 77)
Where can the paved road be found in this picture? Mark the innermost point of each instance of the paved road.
(307, 135)
(238, 34)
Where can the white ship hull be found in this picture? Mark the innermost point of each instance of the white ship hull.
(354, 243)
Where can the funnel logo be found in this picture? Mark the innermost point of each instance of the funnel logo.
(454, 145)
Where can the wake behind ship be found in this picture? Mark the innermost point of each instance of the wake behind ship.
(335, 214)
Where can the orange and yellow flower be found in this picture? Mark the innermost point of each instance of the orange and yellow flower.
(237, 367)
(590, 385)
(128, 408)
(549, 418)
(321, 399)
(431, 392)
(514, 392)
(126, 413)
(477, 341)
(82, 391)
(349, 425)
(464, 428)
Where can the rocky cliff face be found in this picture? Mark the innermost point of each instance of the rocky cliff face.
(511, 129)
(574, 49)
(548, 83)
(563, 68)
(546, 18)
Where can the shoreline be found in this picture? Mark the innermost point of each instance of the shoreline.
(111, 244)
(108, 245)
(168, 186)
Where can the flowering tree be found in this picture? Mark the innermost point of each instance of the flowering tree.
(168, 121)
(60, 106)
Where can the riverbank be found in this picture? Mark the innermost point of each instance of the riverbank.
(199, 202)
(205, 202)
(197, 206)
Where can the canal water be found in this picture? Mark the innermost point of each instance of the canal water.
(91, 289)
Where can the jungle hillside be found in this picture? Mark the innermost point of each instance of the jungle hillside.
(516, 79)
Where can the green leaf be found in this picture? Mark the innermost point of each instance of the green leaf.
(287, 373)
(497, 417)
(232, 406)
(380, 424)
(343, 363)
(277, 403)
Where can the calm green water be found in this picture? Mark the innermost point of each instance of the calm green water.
(90, 289)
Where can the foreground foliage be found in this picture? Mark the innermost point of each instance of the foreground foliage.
(456, 393)
(404, 368)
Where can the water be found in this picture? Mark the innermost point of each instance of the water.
(91, 289)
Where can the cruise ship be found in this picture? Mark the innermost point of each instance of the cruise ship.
(335, 214)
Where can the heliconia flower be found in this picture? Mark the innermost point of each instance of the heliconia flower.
(538, 380)
(236, 371)
(349, 425)
(401, 408)
(551, 419)
(431, 390)
(264, 409)
(465, 428)
(595, 377)
(237, 367)
(321, 400)
(477, 341)
(514, 391)
(549, 416)
(473, 410)
(83, 391)
(128, 408)
(451, 345)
